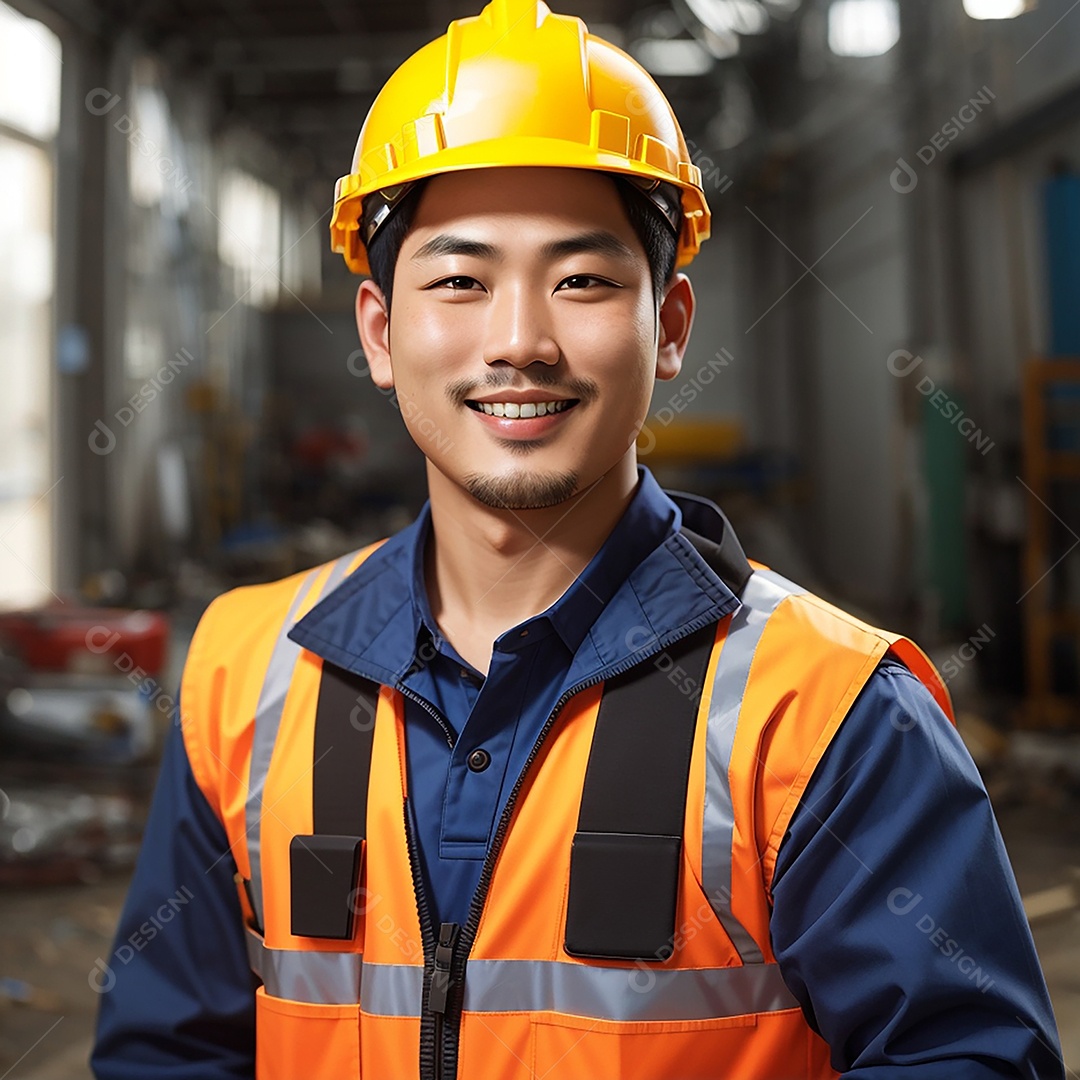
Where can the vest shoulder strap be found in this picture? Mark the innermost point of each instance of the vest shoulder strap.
(325, 867)
(629, 835)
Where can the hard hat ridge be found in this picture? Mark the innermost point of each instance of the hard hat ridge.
(505, 16)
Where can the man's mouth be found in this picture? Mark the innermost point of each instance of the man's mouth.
(522, 410)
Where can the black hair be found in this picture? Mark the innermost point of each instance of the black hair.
(652, 229)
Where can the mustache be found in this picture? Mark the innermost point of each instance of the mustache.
(462, 390)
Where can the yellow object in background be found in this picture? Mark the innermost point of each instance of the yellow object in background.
(689, 440)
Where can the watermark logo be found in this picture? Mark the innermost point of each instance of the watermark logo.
(685, 396)
(100, 101)
(903, 363)
(967, 652)
(357, 365)
(642, 978)
(905, 177)
(902, 902)
(102, 976)
(100, 640)
(710, 172)
(102, 439)
(641, 639)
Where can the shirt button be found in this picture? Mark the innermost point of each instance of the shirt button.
(464, 673)
(479, 760)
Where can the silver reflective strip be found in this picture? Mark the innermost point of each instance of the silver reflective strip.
(392, 989)
(624, 994)
(762, 595)
(254, 945)
(780, 581)
(337, 573)
(317, 978)
(268, 712)
(267, 719)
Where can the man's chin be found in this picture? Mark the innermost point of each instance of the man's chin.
(522, 490)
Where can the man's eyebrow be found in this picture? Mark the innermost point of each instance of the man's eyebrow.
(599, 241)
(448, 244)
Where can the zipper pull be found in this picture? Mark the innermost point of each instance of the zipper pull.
(444, 955)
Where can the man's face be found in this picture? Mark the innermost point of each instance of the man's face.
(523, 283)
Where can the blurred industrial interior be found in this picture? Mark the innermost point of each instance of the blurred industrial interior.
(882, 390)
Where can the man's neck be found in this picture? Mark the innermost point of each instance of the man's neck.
(489, 569)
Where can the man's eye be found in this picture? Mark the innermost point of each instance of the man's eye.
(581, 281)
(460, 283)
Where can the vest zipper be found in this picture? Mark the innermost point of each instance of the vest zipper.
(430, 1033)
(437, 955)
(441, 981)
(450, 1027)
(429, 708)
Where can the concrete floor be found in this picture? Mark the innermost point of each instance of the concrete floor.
(52, 937)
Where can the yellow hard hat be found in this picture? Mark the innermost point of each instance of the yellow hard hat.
(517, 85)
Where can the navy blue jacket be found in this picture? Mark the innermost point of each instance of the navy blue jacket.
(897, 922)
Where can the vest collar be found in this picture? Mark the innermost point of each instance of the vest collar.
(369, 624)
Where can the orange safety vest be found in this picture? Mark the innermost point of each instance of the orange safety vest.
(782, 671)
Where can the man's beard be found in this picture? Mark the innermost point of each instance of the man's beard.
(523, 490)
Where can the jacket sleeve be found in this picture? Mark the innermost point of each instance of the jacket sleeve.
(177, 994)
(897, 921)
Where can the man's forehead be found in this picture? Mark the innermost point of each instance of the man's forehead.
(475, 192)
(567, 205)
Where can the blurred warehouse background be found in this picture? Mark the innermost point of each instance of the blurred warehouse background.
(882, 390)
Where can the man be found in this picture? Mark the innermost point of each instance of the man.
(554, 783)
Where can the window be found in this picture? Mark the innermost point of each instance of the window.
(29, 114)
(249, 236)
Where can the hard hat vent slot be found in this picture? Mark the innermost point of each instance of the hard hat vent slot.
(656, 153)
(610, 132)
(422, 136)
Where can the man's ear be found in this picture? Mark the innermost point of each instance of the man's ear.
(373, 322)
(676, 318)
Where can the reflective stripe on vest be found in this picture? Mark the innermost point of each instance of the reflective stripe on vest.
(337, 978)
(275, 687)
(623, 994)
(618, 994)
(764, 593)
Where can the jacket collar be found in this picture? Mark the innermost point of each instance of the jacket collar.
(671, 561)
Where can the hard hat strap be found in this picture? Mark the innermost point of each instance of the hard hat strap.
(379, 205)
(665, 197)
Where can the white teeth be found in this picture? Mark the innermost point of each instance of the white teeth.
(523, 410)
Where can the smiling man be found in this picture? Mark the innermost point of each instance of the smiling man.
(555, 783)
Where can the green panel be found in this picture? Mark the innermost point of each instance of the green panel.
(944, 450)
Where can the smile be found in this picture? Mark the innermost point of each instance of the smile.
(524, 411)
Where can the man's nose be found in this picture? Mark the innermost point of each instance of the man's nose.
(519, 328)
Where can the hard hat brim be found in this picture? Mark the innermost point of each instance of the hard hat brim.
(506, 152)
